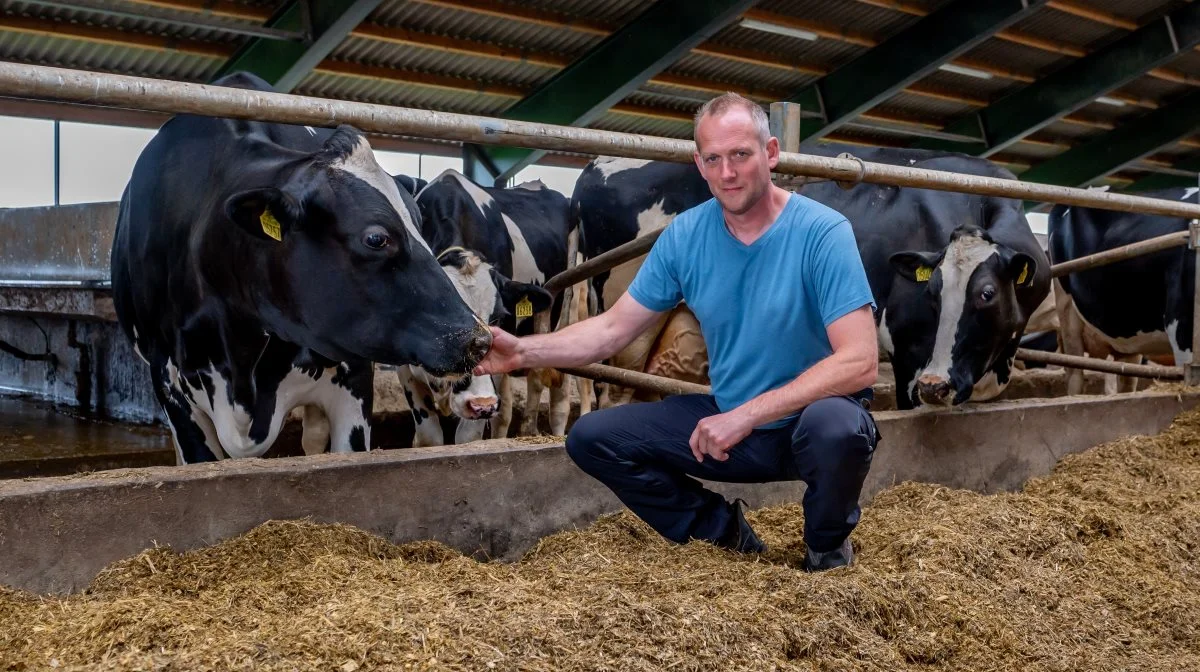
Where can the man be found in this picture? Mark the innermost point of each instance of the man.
(777, 284)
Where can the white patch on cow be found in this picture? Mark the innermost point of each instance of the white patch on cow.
(885, 336)
(1191, 191)
(531, 185)
(987, 387)
(311, 131)
(963, 256)
(611, 165)
(361, 163)
(1183, 356)
(525, 269)
(137, 350)
(653, 219)
(619, 279)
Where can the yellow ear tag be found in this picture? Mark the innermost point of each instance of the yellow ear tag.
(924, 273)
(524, 307)
(270, 225)
(1024, 275)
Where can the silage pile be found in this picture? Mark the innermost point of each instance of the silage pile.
(1092, 568)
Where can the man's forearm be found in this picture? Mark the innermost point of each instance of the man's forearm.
(581, 343)
(839, 374)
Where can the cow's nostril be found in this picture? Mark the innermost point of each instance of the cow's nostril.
(479, 345)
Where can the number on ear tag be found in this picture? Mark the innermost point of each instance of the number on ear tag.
(1024, 275)
(270, 225)
(524, 307)
(924, 273)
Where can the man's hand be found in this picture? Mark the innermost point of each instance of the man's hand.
(504, 355)
(717, 434)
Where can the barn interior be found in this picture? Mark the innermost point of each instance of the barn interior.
(1073, 93)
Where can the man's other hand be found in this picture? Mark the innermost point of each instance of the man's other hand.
(717, 434)
(504, 355)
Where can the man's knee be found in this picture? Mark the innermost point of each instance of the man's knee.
(586, 436)
(835, 430)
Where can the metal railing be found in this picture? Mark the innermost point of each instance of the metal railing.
(74, 86)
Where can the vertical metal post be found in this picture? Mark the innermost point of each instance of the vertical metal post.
(57, 163)
(785, 126)
(1192, 369)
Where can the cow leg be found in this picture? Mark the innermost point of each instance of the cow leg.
(1070, 334)
(348, 401)
(314, 436)
(906, 385)
(533, 404)
(503, 418)
(192, 432)
(586, 386)
(560, 407)
(1123, 384)
(427, 423)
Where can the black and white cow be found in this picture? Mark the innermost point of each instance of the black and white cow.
(412, 185)
(521, 233)
(466, 402)
(260, 267)
(1134, 308)
(956, 276)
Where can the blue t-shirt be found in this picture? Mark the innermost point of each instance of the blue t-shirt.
(763, 307)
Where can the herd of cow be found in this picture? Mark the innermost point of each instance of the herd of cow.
(260, 268)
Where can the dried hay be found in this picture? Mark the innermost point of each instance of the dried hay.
(1091, 568)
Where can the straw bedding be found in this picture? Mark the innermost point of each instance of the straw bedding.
(1091, 568)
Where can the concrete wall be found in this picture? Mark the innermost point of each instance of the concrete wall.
(494, 498)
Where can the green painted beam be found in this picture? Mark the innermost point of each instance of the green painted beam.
(584, 90)
(1115, 149)
(1161, 181)
(286, 63)
(906, 58)
(1051, 98)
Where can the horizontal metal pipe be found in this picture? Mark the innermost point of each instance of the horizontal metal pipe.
(45, 83)
(1148, 246)
(635, 379)
(1102, 365)
(603, 262)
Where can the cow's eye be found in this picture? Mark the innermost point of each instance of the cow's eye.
(376, 239)
(988, 294)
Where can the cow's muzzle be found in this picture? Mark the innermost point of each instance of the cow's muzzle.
(934, 390)
(478, 346)
(482, 408)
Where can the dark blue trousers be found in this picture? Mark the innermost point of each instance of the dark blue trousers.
(640, 451)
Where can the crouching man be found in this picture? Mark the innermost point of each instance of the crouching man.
(777, 284)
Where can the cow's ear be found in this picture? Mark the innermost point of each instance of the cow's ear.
(915, 266)
(268, 213)
(1021, 268)
(523, 299)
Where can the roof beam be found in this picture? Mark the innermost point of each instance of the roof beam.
(286, 63)
(1074, 86)
(906, 58)
(607, 73)
(1120, 147)
(1161, 181)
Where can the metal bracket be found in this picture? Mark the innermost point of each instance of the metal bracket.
(1194, 234)
(862, 171)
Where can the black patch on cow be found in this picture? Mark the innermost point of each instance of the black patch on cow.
(429, 402)
(461, 384)
(358, 439)
(424, 414)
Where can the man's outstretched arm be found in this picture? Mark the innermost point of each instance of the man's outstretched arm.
(852, 367)
(591, 340)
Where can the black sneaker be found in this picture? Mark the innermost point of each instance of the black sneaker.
(841, 556)
(742, 539)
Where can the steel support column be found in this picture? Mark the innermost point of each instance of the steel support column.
(1053, 97)
(285, 63)
(623, 61)
(906, 58)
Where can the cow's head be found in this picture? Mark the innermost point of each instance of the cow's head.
(337, 264)
(494, 299)
(973, 287)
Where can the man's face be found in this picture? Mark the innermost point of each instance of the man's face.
(733, 159)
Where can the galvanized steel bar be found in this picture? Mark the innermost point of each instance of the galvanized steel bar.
(1148, 246)
(140, 93)
(635, 379)
(174, 17)
(1193, 367)
(1102, 365)
(603, 262)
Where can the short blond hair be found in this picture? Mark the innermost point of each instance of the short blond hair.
(726, 101)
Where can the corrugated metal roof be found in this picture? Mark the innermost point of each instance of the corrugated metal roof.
(456, 59)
